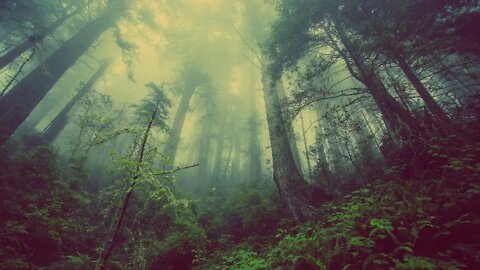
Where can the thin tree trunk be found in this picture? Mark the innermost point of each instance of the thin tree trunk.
(236, 159)
(203, 158)
(372, 133)
(431, 104)
(402, 127)
(217, 169)
(18, 103)
(173, 140)
(58, 123)
(334, 150)
(399, 91)
(255, 173)
(128, 196)
(447, 71)
(305, 145)
(322, 163)
(229, 159)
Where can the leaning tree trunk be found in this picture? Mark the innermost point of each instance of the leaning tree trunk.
(58, 123)
(290, 184)
(30, 42)
(402, 126)
(430, 103)
(173, 140)
(19, 102)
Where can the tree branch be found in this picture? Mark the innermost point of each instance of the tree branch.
(176, 170)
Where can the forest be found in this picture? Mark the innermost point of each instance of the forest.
(239, 134)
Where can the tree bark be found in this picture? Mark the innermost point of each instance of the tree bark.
(255, 173)
(290, 184)
(401, 125)
(18, 103)
(29, 43)
(430, 103)
(291, 133)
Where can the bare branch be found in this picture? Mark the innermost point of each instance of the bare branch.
(176, 170)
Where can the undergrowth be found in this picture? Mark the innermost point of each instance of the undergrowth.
(429, 222)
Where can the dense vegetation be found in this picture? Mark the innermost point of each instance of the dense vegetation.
(284, 134)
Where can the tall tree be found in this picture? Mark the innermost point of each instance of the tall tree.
(291, 133)
(18, 103)
(254, 152)
(289, 181)
(193, 78)
(413, 32)
(29, 43)
(58, 123)
(319, 25)
(152, 113)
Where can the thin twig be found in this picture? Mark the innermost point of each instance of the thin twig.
(248, 44)
(176, 170)
(20, 69)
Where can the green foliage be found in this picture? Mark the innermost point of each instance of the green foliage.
(155, 105)
(430, 223)
(37, 226)
(48, 220)
(242, 259)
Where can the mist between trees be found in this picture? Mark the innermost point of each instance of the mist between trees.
(239, 134)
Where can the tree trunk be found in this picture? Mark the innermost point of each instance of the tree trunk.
(430, 103)
(291, 133)
(203, 158)
(255, 173)
(370, 129)
(128, 196)
(290, 184)
(58, 123)
(401, 125)
(322, 163)
(19, 102)
(305, 145)
(217, 169)
(400, 91)
(228, 160)
(173, 140)
(30, 42)
(237, 152)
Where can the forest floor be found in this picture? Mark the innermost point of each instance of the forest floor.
(430, 221)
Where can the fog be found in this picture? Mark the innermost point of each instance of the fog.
(238, 134)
